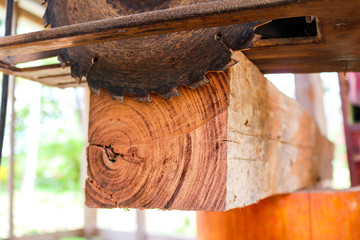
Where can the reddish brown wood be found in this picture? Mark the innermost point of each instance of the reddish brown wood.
(225, 145)
(52, 75)
(303, 215)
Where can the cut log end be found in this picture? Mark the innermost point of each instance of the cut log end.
(226, 144)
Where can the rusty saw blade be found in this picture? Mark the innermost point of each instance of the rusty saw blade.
(149, 64)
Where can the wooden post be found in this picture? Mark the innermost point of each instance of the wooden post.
(90, 215)
(309, 93)
(303, 215)
(11, 157)
(141, 225)
(227, 144)
(12, 81)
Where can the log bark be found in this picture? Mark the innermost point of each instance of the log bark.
(301, 215)
(224, 145)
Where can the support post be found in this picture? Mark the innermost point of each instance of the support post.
(141, 225)
(309, 93)
(90, 215)
(12, 81)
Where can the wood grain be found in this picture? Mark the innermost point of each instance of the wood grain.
(157, 143)
(301, 215)
(224, 145)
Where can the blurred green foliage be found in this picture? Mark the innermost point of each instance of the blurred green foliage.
(59, 166)
(60, 146)
(187, 228)
(60, 149)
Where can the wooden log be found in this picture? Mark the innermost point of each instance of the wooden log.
(301, 215)
(224, 145)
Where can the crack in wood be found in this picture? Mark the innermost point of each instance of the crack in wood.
(278, 139)
(113, 156)
(96, 185)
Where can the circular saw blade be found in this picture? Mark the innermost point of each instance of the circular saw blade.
(144, 65)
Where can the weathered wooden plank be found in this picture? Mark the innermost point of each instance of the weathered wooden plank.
(322, 214)
(52, 75)
(225, 145)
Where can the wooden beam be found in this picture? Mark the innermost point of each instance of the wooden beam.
(227, 144)
(323, 214)
(53, 75)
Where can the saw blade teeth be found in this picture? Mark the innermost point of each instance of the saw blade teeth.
(45, 23)
(256, 38)
(143, 99)
(116, 97)
(200, 83)
(230, 64)
(95, 90)
(62, 61)
(78, 80)
(173, 93)
(85, 64)
(46, 18)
